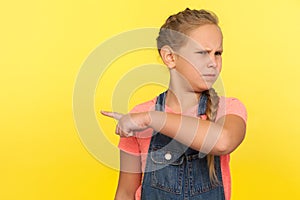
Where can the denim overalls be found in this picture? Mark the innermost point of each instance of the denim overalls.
(174, 171)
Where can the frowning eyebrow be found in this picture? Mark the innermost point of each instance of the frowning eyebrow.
(208, 50)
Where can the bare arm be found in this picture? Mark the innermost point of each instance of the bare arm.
(129, 177)
(222, 137)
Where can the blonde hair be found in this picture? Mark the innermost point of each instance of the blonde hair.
(211, 113)
(184, 22)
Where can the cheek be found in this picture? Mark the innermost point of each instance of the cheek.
(200, 67)
(219, 66)
(191, 73)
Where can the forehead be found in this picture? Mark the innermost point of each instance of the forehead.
(206, 36)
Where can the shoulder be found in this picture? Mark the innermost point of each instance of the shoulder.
(145, 106)
(232, 105)
(230, 101)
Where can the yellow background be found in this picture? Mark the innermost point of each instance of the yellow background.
(44, 43)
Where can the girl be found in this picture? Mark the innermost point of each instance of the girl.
(177, 145)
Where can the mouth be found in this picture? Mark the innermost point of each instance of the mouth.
(209, 75)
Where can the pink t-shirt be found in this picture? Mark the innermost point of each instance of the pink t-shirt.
(139, 144)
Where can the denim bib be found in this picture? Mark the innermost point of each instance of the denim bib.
(174, 171)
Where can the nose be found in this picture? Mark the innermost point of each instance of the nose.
(212, 61)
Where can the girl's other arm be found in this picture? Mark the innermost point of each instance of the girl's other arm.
(129, 177)
(221, 137)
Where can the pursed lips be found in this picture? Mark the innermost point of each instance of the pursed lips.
(209, 75)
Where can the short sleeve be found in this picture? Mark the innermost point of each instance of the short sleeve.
(131, 144)
(232, 106)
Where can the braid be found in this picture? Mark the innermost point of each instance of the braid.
(212, 104)
(211, 113)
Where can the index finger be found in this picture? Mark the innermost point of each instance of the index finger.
(114, 115)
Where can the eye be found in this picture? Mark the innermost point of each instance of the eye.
(202, 52)
(218, 53)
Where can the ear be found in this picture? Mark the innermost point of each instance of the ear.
(168, 56)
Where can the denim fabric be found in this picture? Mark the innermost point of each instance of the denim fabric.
(174, 171)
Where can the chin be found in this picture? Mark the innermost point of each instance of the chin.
(201, 88)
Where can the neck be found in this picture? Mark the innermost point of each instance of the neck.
(179, 99)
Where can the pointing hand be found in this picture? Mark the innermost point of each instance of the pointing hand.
(128, 124)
